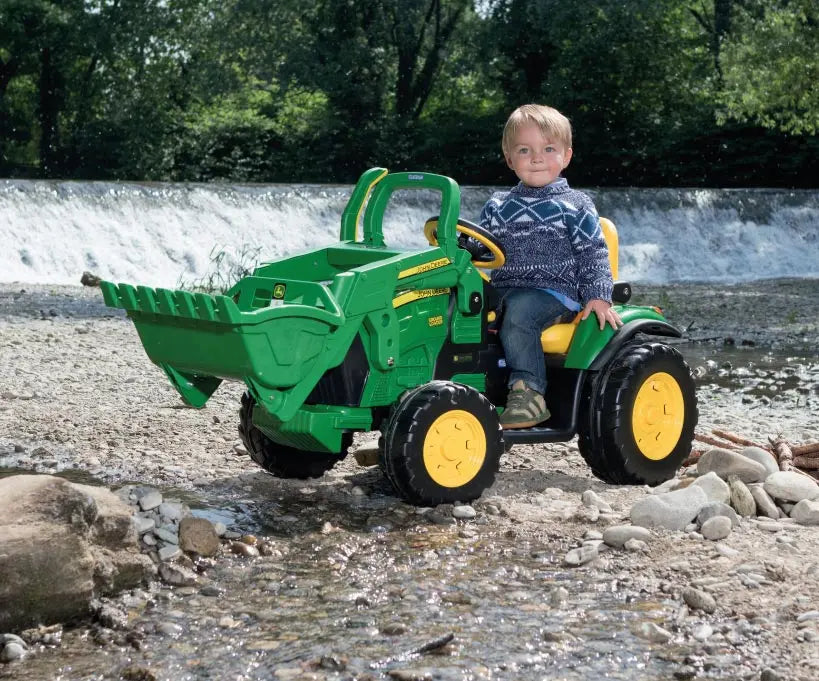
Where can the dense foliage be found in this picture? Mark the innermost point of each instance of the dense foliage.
(660, 92)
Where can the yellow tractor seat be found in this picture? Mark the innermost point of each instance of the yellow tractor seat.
(555, 339)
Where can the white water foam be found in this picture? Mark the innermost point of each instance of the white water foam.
(161, 234)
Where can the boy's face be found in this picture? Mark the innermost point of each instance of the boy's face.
(536, 158)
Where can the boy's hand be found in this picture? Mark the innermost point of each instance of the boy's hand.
(605, 313)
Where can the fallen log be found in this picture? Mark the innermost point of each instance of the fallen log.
(726, 435)
(707, 439)
(806, 463)
(810, 449)
(783, 453)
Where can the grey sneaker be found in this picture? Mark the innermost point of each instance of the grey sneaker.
(524, 407)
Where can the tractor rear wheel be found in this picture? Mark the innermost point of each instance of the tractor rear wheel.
(443, 444)
(281, 460)
(638, 415)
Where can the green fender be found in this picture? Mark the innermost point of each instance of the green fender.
(592, 348)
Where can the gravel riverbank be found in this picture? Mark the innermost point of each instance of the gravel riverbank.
(357, 582)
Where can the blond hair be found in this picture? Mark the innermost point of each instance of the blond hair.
(551, 122)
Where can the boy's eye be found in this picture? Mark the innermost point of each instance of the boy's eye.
(548, 150)
(523, 150)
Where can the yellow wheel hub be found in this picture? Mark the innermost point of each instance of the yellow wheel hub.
(658, 416)
(454, 448)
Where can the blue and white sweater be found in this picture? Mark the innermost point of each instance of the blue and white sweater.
(552, 239)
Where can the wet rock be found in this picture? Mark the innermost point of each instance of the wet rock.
(653, 632)
(580, 556)
(790, 486)
(806, 512)
(725, 462)
(198, 535)
(618, 535)
(715, 508)
(715, 488)
(763, 457)
(699, 600)
(89, 279)
(62, 545)
(148, 498)
(716, 528)
(741, 498)
(177, 575)
(12, 651)
(672, 510)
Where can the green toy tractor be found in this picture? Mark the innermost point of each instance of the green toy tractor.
(358, 336)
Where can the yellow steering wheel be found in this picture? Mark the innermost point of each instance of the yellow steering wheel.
(487, 254)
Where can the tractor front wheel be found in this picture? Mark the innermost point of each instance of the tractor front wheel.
(638, 416)
(443, 444)
(281, 460)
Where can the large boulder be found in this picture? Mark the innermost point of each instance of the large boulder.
(61, 545)
(672, 510)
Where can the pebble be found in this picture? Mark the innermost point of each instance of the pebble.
(150, 500)
(653, 632)
(592, 499)
(716, 508)
(464, 512)
(636, 545)
(703, 632)
(699, 600)
(580, 556)
(716, 528)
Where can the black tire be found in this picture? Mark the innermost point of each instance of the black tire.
(447, 473)
(646, 445)
(281, 460)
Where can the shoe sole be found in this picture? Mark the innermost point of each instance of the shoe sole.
(524, 424)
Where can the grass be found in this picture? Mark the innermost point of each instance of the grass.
(226, 268)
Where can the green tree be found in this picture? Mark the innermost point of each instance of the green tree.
(771, 67)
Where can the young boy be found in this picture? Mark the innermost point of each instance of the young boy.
(556, 259)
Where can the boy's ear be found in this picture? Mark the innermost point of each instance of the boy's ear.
(508, 160)
(567, 156)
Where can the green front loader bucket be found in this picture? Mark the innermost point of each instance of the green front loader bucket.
(253, 335)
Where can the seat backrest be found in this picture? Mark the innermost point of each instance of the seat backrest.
(557, 338)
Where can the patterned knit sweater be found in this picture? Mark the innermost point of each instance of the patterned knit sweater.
(552, 239)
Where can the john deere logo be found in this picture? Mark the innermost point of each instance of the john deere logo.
(278, 291)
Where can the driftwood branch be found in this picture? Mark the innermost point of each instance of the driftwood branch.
(783, 453)
(732, 437)
(811, 450)
(707, 439)
(810, 464)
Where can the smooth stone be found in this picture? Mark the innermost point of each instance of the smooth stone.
(653, 632)
(465, 512)
(592, 499)
(169, 552)
(672, 510)
(699, 600)
(715, 488)
(580, 556)
(765, 505)
(12, 651)
(716, 508)
(725, 462)
(716, 528)
(741, 498)
(703, 632)
(150, 499)
(763, 457)
(177, 575)
(806, 512)
(635, 545)
(667, 486)
(171, 511)
(166, 535)
(790, 486)
(143, 524)
(199, 536)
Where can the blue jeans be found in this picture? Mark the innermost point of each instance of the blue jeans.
(525, 313)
